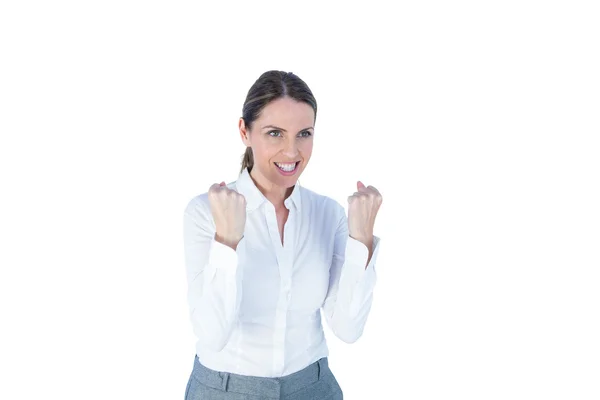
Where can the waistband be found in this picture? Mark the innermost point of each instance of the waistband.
(260, 386)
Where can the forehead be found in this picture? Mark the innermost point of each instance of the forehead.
(286, 111)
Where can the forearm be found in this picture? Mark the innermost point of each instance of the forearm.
(214, 312)
(215, 291)
(349, 303)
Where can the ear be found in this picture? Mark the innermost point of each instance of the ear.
(244, 132)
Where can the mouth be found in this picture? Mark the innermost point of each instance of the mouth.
(287, 168)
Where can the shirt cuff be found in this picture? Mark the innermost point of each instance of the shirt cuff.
(357, 255)
(363, 279)
(223, 257)
(224, 261)
(224, 267)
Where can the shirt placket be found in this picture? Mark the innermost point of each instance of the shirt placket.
(284, 255)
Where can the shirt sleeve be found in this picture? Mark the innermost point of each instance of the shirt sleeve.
(214, 277)
(350, 294)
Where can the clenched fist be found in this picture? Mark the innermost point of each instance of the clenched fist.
(228, 209)
(362, 210)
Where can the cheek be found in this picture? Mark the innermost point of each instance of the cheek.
(306, 148)
(263, 151)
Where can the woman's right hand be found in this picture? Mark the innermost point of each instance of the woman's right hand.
(228, 209)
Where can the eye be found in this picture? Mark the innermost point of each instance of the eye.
(277, 133)
(305, 134)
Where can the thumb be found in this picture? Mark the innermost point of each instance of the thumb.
(359, 185)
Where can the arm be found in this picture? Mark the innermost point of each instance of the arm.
(214, 277)
(350, 295)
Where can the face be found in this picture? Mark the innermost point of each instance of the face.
(281, 140)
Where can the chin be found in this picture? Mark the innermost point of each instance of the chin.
(286, 181)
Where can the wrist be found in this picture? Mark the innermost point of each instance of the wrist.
(228, 241)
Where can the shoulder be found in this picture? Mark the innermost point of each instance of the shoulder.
(197, 204)
(196, 212)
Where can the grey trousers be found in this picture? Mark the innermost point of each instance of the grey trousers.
(315, 382)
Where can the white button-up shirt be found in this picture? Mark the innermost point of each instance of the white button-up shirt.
(256, 310)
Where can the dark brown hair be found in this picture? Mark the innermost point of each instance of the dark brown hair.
(270, 86)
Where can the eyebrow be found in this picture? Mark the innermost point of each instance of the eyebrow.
(281, 129)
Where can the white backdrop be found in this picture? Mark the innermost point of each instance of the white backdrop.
(477, 121)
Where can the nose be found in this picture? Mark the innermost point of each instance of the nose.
(291, 148)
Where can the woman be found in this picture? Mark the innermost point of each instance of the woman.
(264, 256)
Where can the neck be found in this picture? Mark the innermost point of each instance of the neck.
(275, 194)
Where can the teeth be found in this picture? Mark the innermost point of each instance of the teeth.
(286, 167)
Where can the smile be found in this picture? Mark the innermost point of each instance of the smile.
(287, 168)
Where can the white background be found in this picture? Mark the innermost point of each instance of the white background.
(477, 121)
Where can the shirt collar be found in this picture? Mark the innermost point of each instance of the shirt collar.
(254, 197)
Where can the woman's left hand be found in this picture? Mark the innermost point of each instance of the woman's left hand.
(362, 210)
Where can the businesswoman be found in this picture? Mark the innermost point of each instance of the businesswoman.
(265, 256)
